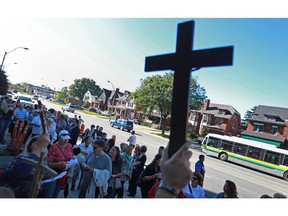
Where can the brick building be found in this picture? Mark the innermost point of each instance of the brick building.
(269, 125)
(217, 118)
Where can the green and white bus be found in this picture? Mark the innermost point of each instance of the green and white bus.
(257, 155)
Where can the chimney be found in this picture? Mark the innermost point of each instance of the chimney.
(206, 105)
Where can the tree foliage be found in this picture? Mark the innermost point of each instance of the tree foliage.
(155, 93)
(3, 83)
(62, 94)
(81, 86)
(250, 113)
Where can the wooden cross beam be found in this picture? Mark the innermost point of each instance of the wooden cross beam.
(183, 61)
(40, 168)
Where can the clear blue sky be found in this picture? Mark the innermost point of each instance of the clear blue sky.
(61, 50)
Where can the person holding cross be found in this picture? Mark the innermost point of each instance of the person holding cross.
(19, 175)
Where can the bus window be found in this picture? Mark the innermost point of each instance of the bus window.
(240, 149)
(285, 162)
(272, 157)
(213, 142)
(226, 145)
(254, 152)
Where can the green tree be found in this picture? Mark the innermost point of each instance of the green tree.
(62, 94)
(81, 86)
(155, 93)
(250, 113)
(21, 88)
(3, 83)
(197, 95)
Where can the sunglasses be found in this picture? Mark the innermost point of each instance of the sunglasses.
(95, 147)
(194, 178)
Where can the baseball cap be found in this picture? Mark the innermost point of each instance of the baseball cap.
(64, 134)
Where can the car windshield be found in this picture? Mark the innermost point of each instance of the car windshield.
(25, 99)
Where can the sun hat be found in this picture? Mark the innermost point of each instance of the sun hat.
(64, 134)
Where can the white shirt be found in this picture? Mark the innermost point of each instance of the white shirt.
(83, 148)
(197, 192)
(132, 140)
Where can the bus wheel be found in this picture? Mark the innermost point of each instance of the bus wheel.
(223, 156)
(285, 176)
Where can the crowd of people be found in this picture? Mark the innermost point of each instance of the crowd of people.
(95, 162)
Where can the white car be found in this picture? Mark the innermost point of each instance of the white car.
(27, 101)
(69, 107)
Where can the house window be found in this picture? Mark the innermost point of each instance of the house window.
(194, 117)
(258, 127)
(274, 129)
(219, 121)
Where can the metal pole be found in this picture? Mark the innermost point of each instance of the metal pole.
(8, 53)
(3, 60)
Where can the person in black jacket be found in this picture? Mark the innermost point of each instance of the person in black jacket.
(138, 167)
(74, 132)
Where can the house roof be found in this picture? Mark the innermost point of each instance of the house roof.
(220, 110)
(264, 136)
(264, 114)
(92, 92)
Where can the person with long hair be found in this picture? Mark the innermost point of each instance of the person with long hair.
(116, 187)
(138, 167)
(229, 190)
(151, 174)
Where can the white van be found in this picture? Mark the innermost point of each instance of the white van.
(69, 107)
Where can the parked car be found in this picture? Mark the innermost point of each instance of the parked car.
(105, 113)
(27, 101)
(35, 97)
(78, 107)
(69, 107)
(122, 124)
(138, 121)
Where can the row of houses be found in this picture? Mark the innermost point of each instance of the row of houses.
(117, 102)
(268, 124)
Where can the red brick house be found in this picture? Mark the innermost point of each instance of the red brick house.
(269, 125)
(218, 118)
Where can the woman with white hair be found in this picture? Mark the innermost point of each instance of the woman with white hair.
(51, 128)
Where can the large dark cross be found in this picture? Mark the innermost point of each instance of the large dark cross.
(183, 62)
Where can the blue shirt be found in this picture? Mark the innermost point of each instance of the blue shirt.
(21, 114)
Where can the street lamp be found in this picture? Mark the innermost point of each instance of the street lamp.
(112, 99)
(10, 52)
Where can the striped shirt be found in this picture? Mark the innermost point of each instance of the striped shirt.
(21, 114)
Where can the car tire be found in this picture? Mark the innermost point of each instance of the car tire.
(111, 124)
